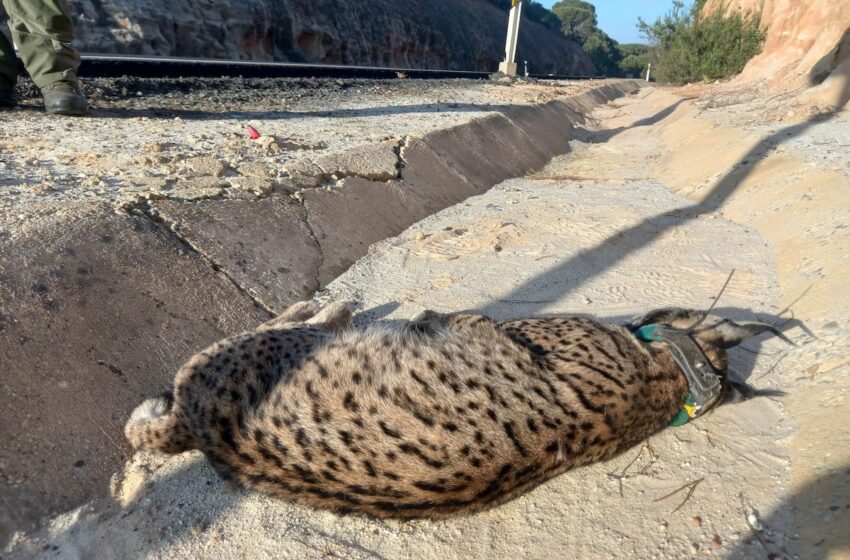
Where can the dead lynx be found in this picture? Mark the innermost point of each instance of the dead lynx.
(449, 414)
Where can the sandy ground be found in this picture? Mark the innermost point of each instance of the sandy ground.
(661, 199)
(785, 171)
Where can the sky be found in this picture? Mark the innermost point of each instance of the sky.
(618, 18)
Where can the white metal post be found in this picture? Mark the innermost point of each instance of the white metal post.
(508, 66)
(648, 70)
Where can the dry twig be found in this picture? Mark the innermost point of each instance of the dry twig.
(691, 487)
(621, 476)
(326, 552)
(756, 531)
(773, 367)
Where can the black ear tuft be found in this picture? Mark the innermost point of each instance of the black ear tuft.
(665, 315)
(739, 392)
(729, 333)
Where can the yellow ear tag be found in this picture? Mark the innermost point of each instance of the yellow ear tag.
(684, 415)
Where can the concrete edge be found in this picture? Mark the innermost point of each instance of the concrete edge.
(347, 214)
(444, 168)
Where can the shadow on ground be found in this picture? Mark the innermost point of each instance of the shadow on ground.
(187, 503)
(602, 136)
(614, 249)
(828, 498)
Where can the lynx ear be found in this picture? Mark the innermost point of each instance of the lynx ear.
(665, 316)
(728, 333)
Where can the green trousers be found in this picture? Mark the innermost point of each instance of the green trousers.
(43, 31)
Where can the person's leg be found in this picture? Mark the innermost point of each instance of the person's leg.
(43, 32)
(8, 72)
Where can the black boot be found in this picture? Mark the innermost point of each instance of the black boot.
(7, 98)
(64, 98)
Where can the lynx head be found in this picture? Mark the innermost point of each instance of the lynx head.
(713, 336)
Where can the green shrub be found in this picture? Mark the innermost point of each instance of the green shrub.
(634, 59)
(687, 46)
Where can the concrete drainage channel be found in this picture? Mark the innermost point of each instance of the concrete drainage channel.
(279, 252)
(101, 311)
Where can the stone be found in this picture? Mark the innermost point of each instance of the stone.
(207, 165)
(304, 174)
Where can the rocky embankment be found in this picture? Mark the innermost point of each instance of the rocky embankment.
(807, 44)
(453, 34)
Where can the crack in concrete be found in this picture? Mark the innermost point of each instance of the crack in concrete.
(334, 178)
(315, 239)
(143, 200)
(399, 152)
(143, 209)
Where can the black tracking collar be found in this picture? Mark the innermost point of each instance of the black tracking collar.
(704, 382)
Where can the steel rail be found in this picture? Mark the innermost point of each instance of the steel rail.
(116, 66)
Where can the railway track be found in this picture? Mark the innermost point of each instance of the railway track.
(113, 66)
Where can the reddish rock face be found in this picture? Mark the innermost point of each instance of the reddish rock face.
(804, 39)
(451, 34)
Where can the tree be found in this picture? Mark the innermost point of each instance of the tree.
(689, 46)
(635, 58)
(603, 51)
(578, 19)
(578, 22)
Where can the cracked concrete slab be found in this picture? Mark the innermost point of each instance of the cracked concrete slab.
(487, 151)
(549, 126)
(265, 246)
(348, 219)
(376, 162)
(431, 177)
(95, 314)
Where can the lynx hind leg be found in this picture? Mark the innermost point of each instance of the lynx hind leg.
(334, 316)
(432, 320)
(154, 426)
(295, 313)
(428, 320)
(468, 321)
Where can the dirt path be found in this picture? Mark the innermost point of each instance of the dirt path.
(783, 168)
